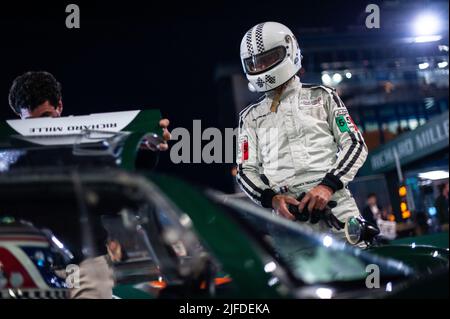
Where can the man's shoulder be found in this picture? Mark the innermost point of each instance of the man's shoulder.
(253, 107)
(318, 87)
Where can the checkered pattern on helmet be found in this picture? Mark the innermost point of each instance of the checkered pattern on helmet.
(248, 39)
(260, 82)
(259, 38)
(270, 79)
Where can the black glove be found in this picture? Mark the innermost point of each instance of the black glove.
(302, 216)
(326, 215)
(330, 219)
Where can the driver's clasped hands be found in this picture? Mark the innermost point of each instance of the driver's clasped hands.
(312, 206)
(280, 204)
(316, 199)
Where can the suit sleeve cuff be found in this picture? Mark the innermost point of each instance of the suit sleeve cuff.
(332, 182)
(266, 197)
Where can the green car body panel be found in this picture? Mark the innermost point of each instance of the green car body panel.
(421, 258)
(222, 236)
(421, 252)
(440, 240)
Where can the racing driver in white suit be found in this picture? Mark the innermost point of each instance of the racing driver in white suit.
(298, 138)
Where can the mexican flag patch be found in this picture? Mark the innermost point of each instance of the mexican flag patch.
(342, 123)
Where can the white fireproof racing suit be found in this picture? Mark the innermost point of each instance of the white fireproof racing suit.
(311, 139)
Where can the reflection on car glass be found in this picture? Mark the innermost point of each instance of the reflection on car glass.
(123, 243)
(309, 258)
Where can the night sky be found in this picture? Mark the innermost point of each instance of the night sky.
(135, 54)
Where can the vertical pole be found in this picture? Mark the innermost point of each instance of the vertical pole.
(398, 166)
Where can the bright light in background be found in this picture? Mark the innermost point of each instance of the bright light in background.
(337, 78)
(427, 38)
(327, 241)
(389, 287)
(326, 79)
(426, 24)
(423, 66)
(434, 175)
(432, 211)
(324, 293)
(57, 242)
(270, 266)
(403, 207)
(272, 281)
(402, 191)
(442, 64)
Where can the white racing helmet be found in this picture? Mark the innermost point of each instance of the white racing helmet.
(270, 55)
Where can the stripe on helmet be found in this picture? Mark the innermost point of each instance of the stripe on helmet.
(248, 40)
(259, 38)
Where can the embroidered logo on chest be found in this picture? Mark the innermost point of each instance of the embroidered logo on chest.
(311, 102)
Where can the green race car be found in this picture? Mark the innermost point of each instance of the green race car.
(181, 242)
(164, 238)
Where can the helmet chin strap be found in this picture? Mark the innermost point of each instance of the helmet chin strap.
(277, 96)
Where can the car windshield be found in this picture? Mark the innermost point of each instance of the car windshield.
(84, 216)
(311, 258)
(109, 215)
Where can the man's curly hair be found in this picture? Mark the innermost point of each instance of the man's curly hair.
(31, 89)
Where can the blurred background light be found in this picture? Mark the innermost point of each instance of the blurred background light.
(426, 24)
(389, 287)
(423, 66)
(434, 175)
(432, 211)
(327, 241)
(57, 242)
(427, 38)
(326, 79)
(442, 64)
(337, 78)
(334, 79)
(324, 293)
(270, 267)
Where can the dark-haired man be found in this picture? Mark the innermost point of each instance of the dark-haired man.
(38, 94)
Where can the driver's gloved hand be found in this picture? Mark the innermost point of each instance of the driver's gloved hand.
(331, 220)
(326, 214)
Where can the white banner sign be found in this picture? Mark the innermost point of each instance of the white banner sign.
(67, 130)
